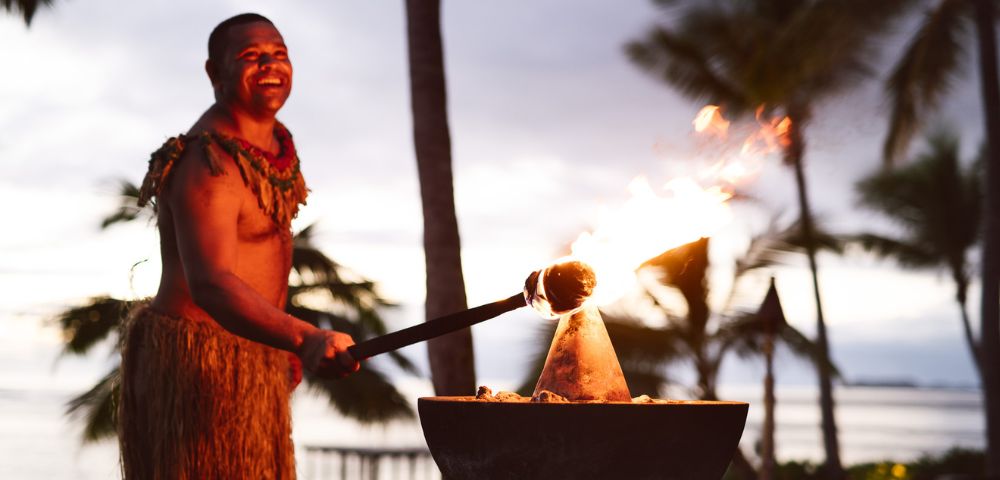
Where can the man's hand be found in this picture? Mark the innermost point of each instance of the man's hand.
(324, 353)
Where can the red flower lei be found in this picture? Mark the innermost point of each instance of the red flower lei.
(286, 151)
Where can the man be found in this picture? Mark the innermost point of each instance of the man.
(206, 370)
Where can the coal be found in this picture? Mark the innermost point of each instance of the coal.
(485, 394)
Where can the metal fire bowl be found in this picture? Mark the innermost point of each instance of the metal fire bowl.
(683, 440)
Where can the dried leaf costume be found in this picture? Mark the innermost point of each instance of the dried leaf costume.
(198, 402)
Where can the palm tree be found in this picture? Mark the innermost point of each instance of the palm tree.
(366, 396)
(748, 334)
(706, 343)
(26, 8)
(937, 205)
(918, 83)
(784, 55)
(451, 356)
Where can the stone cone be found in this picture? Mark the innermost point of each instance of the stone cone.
(582, 364)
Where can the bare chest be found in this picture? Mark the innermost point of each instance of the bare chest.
(264, 253)
(254, 226)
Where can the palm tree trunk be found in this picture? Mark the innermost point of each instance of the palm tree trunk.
(767, 431)
(794, 156)
(961, 288)
(989, 342)
(451, 356)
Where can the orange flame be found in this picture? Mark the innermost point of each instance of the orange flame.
(709, 121)
(651, 222)
(772, 135)
(767, 136)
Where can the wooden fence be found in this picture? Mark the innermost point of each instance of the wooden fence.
(323, 462)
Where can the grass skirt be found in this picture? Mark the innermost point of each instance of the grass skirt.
(201, 403)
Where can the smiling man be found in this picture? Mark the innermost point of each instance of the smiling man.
(210, 362)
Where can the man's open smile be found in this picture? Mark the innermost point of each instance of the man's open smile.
(271, 81)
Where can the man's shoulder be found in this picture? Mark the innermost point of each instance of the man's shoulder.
(190, 161)
(204, 158)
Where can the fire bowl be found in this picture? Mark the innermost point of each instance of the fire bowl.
(684, 440)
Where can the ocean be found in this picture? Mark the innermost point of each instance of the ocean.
(38, 442)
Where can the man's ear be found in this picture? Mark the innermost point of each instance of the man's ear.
(212, 71)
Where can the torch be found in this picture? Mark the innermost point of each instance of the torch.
(557, 290)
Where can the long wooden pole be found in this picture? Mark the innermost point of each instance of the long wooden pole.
(434, 328)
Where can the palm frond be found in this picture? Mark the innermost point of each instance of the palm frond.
(745, 334)
(745, 54)
(933, 200)
(906, 254)
(316, 272)
(644, 379)
(366, 396)
(825, 46)
(87, 325)
(97, 408)
(921, 77)
(359, 298)
(128, 206)
(686, 269)
(822, 239)
(636, 343)
(27, 8)
(774, 245)
(684, 65)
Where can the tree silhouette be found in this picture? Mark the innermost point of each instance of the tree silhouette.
(451, 356)
(918, 83)
(784, 56)
(26, 8)
(937, 205)
(367, 396)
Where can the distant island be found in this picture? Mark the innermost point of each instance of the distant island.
(904, 382)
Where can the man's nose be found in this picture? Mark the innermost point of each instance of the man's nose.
(266, 60)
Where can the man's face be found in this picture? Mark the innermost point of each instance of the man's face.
(254, 74)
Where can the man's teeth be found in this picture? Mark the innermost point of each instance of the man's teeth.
(269, 81)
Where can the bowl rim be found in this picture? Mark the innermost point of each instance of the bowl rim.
(471, 399)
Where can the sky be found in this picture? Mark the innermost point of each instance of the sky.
(549, 123)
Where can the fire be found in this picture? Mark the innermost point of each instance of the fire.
(709, 121)
(772, 135)
(647, 224)
(652, 221)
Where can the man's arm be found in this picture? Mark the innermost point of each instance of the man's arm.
(205, 210)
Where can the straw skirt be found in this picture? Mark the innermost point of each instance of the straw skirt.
(201, 403)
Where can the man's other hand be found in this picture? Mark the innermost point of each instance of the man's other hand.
(324, 353)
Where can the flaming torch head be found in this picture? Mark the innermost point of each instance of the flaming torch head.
(559, 289)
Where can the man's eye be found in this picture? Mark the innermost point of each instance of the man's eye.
(250, 56)
(281, 54)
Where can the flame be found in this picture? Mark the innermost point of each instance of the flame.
(646, 225)
(767, 136)
(709, 121)
(651, 222)
(770, 137)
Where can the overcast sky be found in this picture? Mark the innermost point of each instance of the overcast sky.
(549, 124)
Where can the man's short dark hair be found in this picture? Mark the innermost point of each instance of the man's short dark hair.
(216, 40)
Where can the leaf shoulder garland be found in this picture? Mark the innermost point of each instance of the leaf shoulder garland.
(274, 179)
